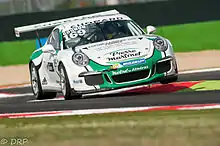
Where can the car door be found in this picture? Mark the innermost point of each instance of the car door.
(50, 58)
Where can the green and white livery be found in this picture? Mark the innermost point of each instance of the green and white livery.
(98, 52)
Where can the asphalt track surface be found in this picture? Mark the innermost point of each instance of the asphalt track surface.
(21, 104)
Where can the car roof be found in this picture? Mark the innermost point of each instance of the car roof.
(87, 20)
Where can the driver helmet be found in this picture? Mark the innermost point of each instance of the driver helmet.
(109, 29)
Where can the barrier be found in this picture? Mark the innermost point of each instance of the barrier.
(153, 13)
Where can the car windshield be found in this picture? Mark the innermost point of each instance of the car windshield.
(97, 32)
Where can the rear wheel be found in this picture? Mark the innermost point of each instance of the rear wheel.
(36, 85)
(68, 93)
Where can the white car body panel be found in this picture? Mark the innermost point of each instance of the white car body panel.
(106, 53)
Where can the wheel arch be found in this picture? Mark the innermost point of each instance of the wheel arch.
(29, 64)
(71, 70)
(36, 65)
(64, 63)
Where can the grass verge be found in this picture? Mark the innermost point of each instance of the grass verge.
(167, 128)
(185, 38)
(193, 37)
(16, 52)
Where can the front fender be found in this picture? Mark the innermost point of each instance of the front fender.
(169, 51)
(72, 69)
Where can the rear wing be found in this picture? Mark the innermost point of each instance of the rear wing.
(46, 25)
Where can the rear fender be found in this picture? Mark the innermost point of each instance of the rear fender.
(37, 57)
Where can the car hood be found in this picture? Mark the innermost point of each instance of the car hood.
(118, 50)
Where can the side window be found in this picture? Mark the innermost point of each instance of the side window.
(54, 39)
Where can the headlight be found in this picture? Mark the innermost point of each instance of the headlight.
(160, 44)
(80, 59)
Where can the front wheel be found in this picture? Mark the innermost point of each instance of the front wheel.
(68, 93)
(36, 85)
(169, 80)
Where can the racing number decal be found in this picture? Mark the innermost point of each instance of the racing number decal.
(74, 32)
(80, 29)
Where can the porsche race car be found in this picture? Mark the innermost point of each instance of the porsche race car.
(98, 52)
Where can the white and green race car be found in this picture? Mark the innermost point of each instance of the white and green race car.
(98, 52)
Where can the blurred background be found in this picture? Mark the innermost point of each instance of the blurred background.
(8, 7)
(180, 21)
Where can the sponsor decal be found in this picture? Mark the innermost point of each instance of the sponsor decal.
(44, 81)
(101, 20)
(133, 62)
(129, 70)
(50, 67)
(115, 66)
(77, 81)
(121, 42)
(123, 54)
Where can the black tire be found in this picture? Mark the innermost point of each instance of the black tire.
(169, 80)
(39, 94)
(69, 93)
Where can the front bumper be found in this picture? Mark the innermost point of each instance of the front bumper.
(135, 75)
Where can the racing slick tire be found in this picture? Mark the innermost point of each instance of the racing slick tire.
(36, 85)
(68, 93)
(169, 80)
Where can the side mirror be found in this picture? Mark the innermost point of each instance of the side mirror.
(150, 29)
(48, 49)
